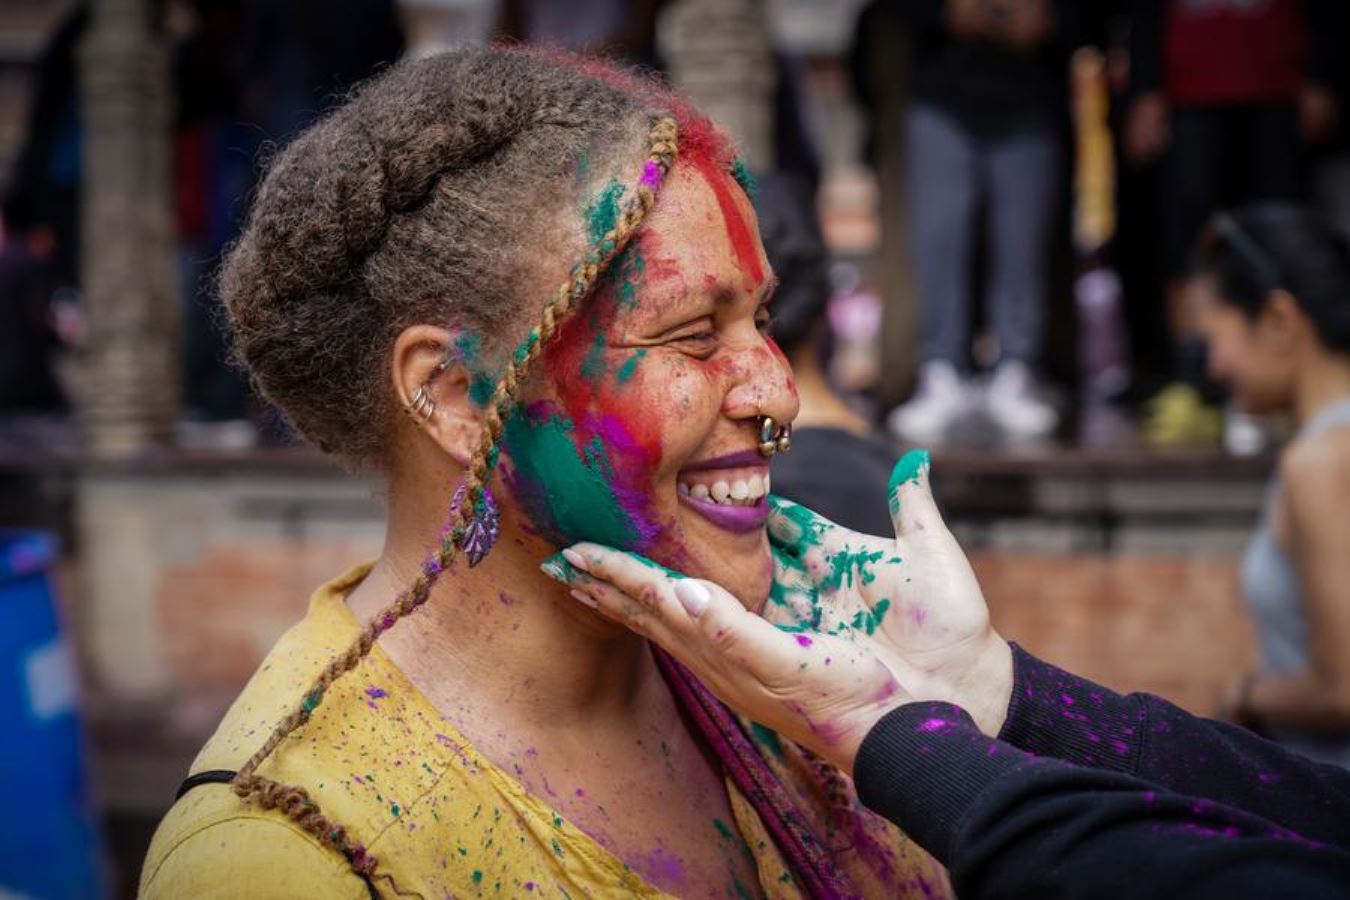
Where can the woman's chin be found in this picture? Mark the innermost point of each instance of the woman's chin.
(745, 572)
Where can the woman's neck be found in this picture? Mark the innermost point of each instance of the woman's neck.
(502, 642)
(1323, 381)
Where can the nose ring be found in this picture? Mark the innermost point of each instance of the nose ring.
(773, 438)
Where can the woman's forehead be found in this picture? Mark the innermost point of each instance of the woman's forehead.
(702, 238)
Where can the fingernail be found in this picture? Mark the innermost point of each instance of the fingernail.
(908, 469)
(575, 558)
(693, 596)
(557, 568)
(585, 599)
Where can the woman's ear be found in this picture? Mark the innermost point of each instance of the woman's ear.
(434, 388)
(1283, 321)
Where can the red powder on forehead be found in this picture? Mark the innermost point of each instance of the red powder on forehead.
(744, 243)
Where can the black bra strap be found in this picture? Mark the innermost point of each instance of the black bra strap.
(225, 776)
(210, 776)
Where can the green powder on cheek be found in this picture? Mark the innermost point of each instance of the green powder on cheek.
(568, 494)
(593, 367)
(628, 274)
(630, 366)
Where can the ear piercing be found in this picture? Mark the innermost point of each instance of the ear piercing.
(773, 438)
(421, 403)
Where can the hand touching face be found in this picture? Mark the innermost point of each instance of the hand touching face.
(856, 625)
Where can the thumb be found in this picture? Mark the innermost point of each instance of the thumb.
(910, 495)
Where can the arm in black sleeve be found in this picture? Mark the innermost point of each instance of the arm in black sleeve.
(1146, 43)
(1010, 824)
(1057, 714)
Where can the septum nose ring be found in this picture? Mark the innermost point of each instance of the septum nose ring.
(773, 438)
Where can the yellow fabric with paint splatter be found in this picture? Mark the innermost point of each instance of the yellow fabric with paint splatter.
(442, 820)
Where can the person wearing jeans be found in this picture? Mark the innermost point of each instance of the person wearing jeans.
(988, 89)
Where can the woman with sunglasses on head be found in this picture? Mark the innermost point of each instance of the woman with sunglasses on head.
(1272, 288)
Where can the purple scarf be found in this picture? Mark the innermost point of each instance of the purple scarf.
(790, 829)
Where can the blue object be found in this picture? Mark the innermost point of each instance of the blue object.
(49, 837)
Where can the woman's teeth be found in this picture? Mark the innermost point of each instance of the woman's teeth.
(740, 492)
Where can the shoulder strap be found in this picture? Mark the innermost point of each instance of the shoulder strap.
(225, 776)
(210, 776)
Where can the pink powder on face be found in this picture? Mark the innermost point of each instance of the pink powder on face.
(803, 640)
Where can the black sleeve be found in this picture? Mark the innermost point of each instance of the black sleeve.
(1146, 43)
(1057, 714)
(1009, 824)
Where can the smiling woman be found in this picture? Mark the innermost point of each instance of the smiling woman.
(528, 291)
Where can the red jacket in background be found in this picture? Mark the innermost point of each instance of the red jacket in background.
(1219, 52)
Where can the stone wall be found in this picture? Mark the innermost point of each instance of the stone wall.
(189, 572)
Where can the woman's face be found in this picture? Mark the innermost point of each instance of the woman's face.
(644, 434)
(1253, 358)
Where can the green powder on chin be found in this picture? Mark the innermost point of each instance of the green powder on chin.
(576, 500)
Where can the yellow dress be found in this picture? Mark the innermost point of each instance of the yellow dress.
(442, 820)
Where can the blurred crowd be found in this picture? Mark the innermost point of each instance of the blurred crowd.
(1048, 207)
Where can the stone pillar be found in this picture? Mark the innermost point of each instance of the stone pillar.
(719, 57)
(128, 392)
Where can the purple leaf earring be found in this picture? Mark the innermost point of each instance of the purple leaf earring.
(483, 529)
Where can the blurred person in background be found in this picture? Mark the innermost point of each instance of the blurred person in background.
(29, 337)
(989, 93)
(45, 181)
(298, 57)
(39, 257)
(624, 30)
(1272, 288)
(1230, 91)
(836, 456)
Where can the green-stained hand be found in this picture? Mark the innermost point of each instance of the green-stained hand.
(855, 625)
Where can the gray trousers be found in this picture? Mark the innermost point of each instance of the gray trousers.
(949, 172)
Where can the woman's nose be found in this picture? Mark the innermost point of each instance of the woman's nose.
(762, 385)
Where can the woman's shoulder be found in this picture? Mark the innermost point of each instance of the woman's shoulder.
(210, 846)
(1318, 465)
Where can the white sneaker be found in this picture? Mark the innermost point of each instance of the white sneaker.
(941, 397)
(1013, 404)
